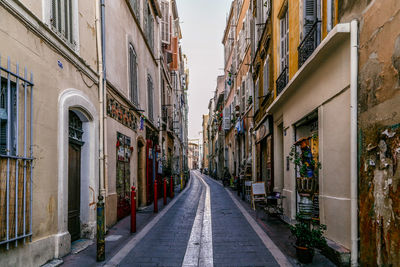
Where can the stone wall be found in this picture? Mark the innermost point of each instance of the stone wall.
(379, 127)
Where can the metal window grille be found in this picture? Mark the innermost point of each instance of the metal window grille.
(16, 155)
(61, 19)
(133, 79)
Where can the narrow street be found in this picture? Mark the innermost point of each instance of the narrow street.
(204, 227)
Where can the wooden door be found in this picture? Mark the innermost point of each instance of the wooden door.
(74, 194)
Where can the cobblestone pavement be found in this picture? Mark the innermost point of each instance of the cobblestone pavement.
(203, 228)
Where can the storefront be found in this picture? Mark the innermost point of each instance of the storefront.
(264, 154)
(305, 155)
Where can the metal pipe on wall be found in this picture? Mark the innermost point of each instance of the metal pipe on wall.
(353, 141)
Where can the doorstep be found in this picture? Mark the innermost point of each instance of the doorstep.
(337, 253)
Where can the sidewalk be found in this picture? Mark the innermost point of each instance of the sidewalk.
(279, 233)
(116, 237)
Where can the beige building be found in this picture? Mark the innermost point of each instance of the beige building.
(193, 154)
(133, 94)
(205, 160)
(59, 52)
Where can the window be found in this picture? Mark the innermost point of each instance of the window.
(62, 19)
(149, 26)
(7, 116)
(284, 56)
(150, 90)
(256, 94)
(330, 5)
(135, 5)
(266, 78)
(165, 35)
(242, 95)
(310, 15)
(133, 76)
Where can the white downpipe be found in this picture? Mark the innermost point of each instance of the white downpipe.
(101, 98)
(353, 141)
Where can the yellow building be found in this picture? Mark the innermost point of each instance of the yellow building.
(308, 111)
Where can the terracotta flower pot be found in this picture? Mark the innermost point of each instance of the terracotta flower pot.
(304, 255)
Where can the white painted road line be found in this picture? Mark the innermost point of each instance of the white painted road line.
(206, 250)
(199, 251)
(117, 258)
(268, 243)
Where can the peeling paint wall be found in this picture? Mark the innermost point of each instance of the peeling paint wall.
(379, 128)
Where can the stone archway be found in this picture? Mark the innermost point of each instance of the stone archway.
(141, 172)
(76, 101)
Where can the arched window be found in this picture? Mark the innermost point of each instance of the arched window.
(150, 91)
(133, 76)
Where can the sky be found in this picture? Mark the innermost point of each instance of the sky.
(202, 23)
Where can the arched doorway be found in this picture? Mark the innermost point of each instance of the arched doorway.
(75, 143)
(141, 173)
(80, 104)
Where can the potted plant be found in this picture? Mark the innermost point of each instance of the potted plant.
(309, 236)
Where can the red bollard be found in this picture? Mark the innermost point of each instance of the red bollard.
(165, 191)
(133, 210)
(172, 188)
(155, 197)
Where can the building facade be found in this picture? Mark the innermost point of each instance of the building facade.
(84, 88)
(50, 129)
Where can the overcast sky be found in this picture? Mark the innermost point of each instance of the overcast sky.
(202, 23)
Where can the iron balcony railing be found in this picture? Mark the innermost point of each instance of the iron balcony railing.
(282, 80)
(309, 43)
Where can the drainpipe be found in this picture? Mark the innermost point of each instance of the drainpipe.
(104, 79)
(353, 141)
(100, 204)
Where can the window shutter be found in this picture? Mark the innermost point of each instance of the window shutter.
(266, 77)
(227, 121)
(150, 97)
(165, 22)
(310, 15)
(256, 93)
(242, 94)
(174, 53)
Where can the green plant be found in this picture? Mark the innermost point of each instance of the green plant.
(250, 100)
(304, 160)
(308, 234)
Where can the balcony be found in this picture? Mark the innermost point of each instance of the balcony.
(282, 80)
(309, 43)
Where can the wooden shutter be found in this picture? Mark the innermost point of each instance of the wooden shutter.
(227, 120)
(266, 77)
(165, 22)
(174, 65)
(256, 94)
(310, 15)
(284, 23)
(133, 75)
